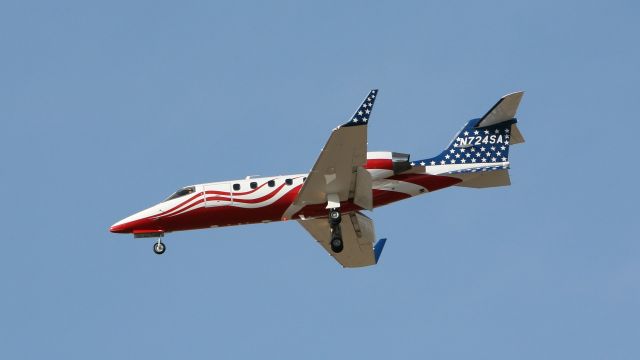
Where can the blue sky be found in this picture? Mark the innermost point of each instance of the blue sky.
(107, 108)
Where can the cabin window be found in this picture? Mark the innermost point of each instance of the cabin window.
(271, 183)
(288, 181)
(236, 187)
(304, 179)
(253, 185)
(182, 192)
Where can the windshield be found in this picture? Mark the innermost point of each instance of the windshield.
(182, 192)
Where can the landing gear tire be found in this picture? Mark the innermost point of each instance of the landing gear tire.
(336, 244)
(334, 217)
(159, 248)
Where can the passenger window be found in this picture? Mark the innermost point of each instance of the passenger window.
(288, 181)
(253, 185)
(236, 187)
(272, 183)
(304, 179)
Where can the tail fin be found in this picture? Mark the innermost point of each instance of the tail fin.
(482, 143)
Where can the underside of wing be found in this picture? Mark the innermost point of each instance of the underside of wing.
(337, 171)
(358, 236)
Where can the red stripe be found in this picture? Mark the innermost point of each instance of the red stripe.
(182, 211)
(386, 164)
(248, 201)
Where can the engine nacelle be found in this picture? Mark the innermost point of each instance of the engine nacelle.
(382, 164)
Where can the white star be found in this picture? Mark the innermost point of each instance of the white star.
(467, 154)
(441, 162)
(488, 154)
(473, 160)
(482, 149)
(475, 132)
(452, 151)
(493, 159)
(457, 155)
(497, 131)
(504, 159)
(355, 120)
(360, 113)
(493, 148)
(478, 154)
(486, 132)
(369, 99)
(498, 153)
(502, 148)
(473, 149)
(433, 162)
(369, 104)
(463, 161)
(506, 131)
(447, 157)
(506, 142)
(484, 160)
(368, 111)
(466, 133)
(413, 164)
(365, 119)
(506, 136)
(462, 150)
(422, 163)
(453, 161)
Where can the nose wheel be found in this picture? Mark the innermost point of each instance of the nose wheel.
(159, 247)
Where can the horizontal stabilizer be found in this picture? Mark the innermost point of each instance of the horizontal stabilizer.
(505, 109)
(516, 135)
(484, 179)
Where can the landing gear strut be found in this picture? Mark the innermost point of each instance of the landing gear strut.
(159, 247)
(336, 232)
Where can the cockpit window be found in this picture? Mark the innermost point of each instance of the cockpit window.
(182, 192)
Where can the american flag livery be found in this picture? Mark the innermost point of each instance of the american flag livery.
(362, 114)
(345, 181)
(475, 148)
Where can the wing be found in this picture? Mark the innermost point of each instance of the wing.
(358, 236)
(338, 174)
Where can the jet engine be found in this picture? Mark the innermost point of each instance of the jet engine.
(382, 164)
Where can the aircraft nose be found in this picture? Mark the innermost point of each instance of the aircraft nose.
(120, 228)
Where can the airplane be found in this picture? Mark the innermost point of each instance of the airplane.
(329, 201)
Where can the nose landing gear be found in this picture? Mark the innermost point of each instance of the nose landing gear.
(159, 247)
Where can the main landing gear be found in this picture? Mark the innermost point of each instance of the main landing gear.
(159, 247)
(336, 233)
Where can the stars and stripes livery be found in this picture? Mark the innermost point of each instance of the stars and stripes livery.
(346, 180)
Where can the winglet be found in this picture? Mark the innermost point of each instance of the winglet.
(377, 248)
(361, 116)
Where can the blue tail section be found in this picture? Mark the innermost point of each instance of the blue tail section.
(484, 140)
(476, 145)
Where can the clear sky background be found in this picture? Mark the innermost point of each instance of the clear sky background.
(107, 108)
